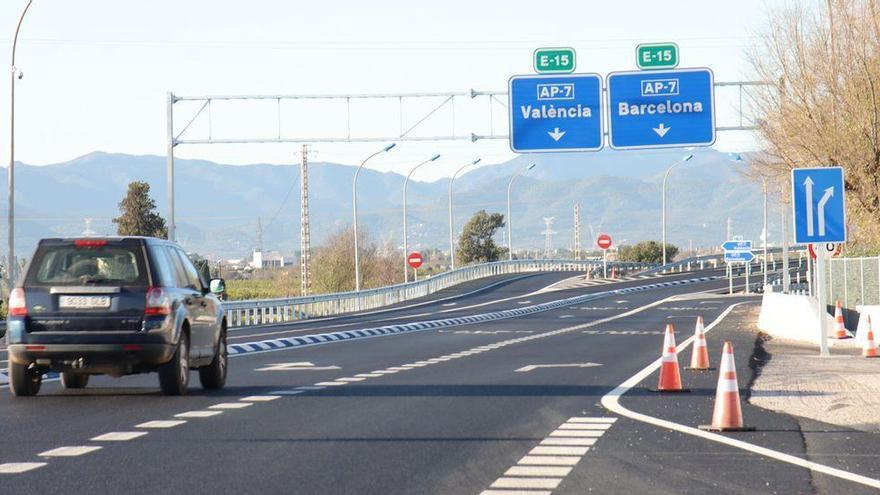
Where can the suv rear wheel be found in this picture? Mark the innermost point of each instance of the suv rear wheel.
(174, 375)
(24, 382)
(213, 376)
(74, 380)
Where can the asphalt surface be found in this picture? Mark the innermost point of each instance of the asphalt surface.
(434, 420)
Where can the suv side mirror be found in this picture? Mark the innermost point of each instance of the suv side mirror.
(218, 286)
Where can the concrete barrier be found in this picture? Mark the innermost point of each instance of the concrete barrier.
(791, 316)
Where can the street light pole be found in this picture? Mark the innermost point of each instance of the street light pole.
(405, 184)
(354, 203)
(451, 231)
(509, 217)
(11, 265)
(663, 204)
(764, 263)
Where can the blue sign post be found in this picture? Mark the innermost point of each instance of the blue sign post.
(818, 203)
(661, 109)
(556, 113)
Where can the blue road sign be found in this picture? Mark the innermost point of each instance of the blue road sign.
(661, 109)
(738, 245)
(818, 204)
(551, 113)
(738, 256)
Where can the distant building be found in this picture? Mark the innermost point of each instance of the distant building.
(267, 259)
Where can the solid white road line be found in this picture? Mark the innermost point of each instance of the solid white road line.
(259, 398)
(170, 423)
(70, 451)
(231, 405)
(538, 471)
(198, 414)
(118, 436)
(19, 467)
(611, 401)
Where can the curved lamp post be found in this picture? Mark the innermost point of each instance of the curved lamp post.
(451, 233)
(663, 206)
(405, 185)
(354, 203)
(509, 218)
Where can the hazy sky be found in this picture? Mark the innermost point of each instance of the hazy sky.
(97, 71)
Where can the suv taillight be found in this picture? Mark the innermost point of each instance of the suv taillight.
(158, 303)
(17, 303)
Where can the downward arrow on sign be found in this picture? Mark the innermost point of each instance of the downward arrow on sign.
(661, 129)
(556, 134)
(532, 367)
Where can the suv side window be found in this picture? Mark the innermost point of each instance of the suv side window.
(162, 268)
(180, 279)
(192, 275)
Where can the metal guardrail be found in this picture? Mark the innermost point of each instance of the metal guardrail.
(265, 311)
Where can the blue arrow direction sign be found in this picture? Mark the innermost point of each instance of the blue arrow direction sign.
(661, 109)
(551, 113)
(738, 245)
(738, 256)
(818, 204)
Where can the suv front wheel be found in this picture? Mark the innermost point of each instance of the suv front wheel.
(174, 375)
(23, 381)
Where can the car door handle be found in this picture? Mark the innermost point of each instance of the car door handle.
(203, 304)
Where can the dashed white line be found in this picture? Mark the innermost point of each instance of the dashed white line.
(198, 414)
(568, 441)
(311, 387)
(288, 392)
(583, 426)
(527, 483)
(70, 451)
(578, 433)
(545, 450)
(169, 423)
(329, 384)
(260, 398)
(374, 374)
(19, 467)
(118, 436)
(538, 471)
(231, 405)
(350, 379)
(549, 460)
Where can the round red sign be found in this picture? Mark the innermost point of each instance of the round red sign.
(603, 241)
(414, 260)
(831, 249)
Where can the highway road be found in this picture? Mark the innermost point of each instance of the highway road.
(506, 405)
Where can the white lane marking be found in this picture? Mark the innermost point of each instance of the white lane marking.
(288, 392)
(259, 398)
(310, 387)
(591, 420)
(538, 471)
(545, 450)
(118, 436)
(329, 384)
(70, 451)
(398, 368)
(532, 367)
(527, 483)
(577, 433)
(168, 423)
(549, 460)
(515, 492)
(449, 304)
(569, 441)
(527, 301)
(565, 316)
(198, 414)
(19, 467)
(350, 379)
(299, 366)
(385, 372)
(369, 375)
(231, 405)
(584, 426)
(611, 401)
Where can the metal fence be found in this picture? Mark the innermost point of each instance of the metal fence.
(265, 311)
(853, 281)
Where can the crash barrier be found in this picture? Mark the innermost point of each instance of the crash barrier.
(792, 316)
(266, 311)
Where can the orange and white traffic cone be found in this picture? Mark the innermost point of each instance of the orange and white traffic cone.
(613, 273)
(699, 353)
(670, 377)
(839, 327)
(727, 415)
(869, 348)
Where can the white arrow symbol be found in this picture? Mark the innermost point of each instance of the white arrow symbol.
(821, 208)
(808, 185)
(556, 134)
(532, 367)
(661, 129)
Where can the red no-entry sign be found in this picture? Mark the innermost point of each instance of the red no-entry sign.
(414, 260)
(603, 241)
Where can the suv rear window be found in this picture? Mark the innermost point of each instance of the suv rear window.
(88, 263)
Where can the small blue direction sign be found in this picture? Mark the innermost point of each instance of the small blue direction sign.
(738, 256)
(661, 109)
(737, 245)
(819, 206)
(556, 113)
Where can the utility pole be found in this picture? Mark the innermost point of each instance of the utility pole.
(548, 236)
(259, 236)
(577, 231)
(729, 228)
(305, 255)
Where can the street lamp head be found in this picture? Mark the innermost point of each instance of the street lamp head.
(478, 160)
(19, 74)
(531, 166)
(435, 158)
(735, 157)
(388, 148)
(686, 158)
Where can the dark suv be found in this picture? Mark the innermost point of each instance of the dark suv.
(115, 306)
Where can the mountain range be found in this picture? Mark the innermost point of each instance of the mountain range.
(218, 205)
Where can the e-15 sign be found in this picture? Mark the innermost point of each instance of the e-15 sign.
(657, 56)
(554, 60)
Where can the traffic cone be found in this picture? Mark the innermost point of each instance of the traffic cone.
(839, 328)
(670, 377)
(727, 415)
(869, 349)
(699, 353)
(613, 273)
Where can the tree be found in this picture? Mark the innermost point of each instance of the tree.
(333, 264)
(138, 215)
(822, 107)
(647, 252)
(476, 244)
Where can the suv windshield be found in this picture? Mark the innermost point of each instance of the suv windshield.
(95, 263)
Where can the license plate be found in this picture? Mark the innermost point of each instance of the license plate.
(84, 302)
